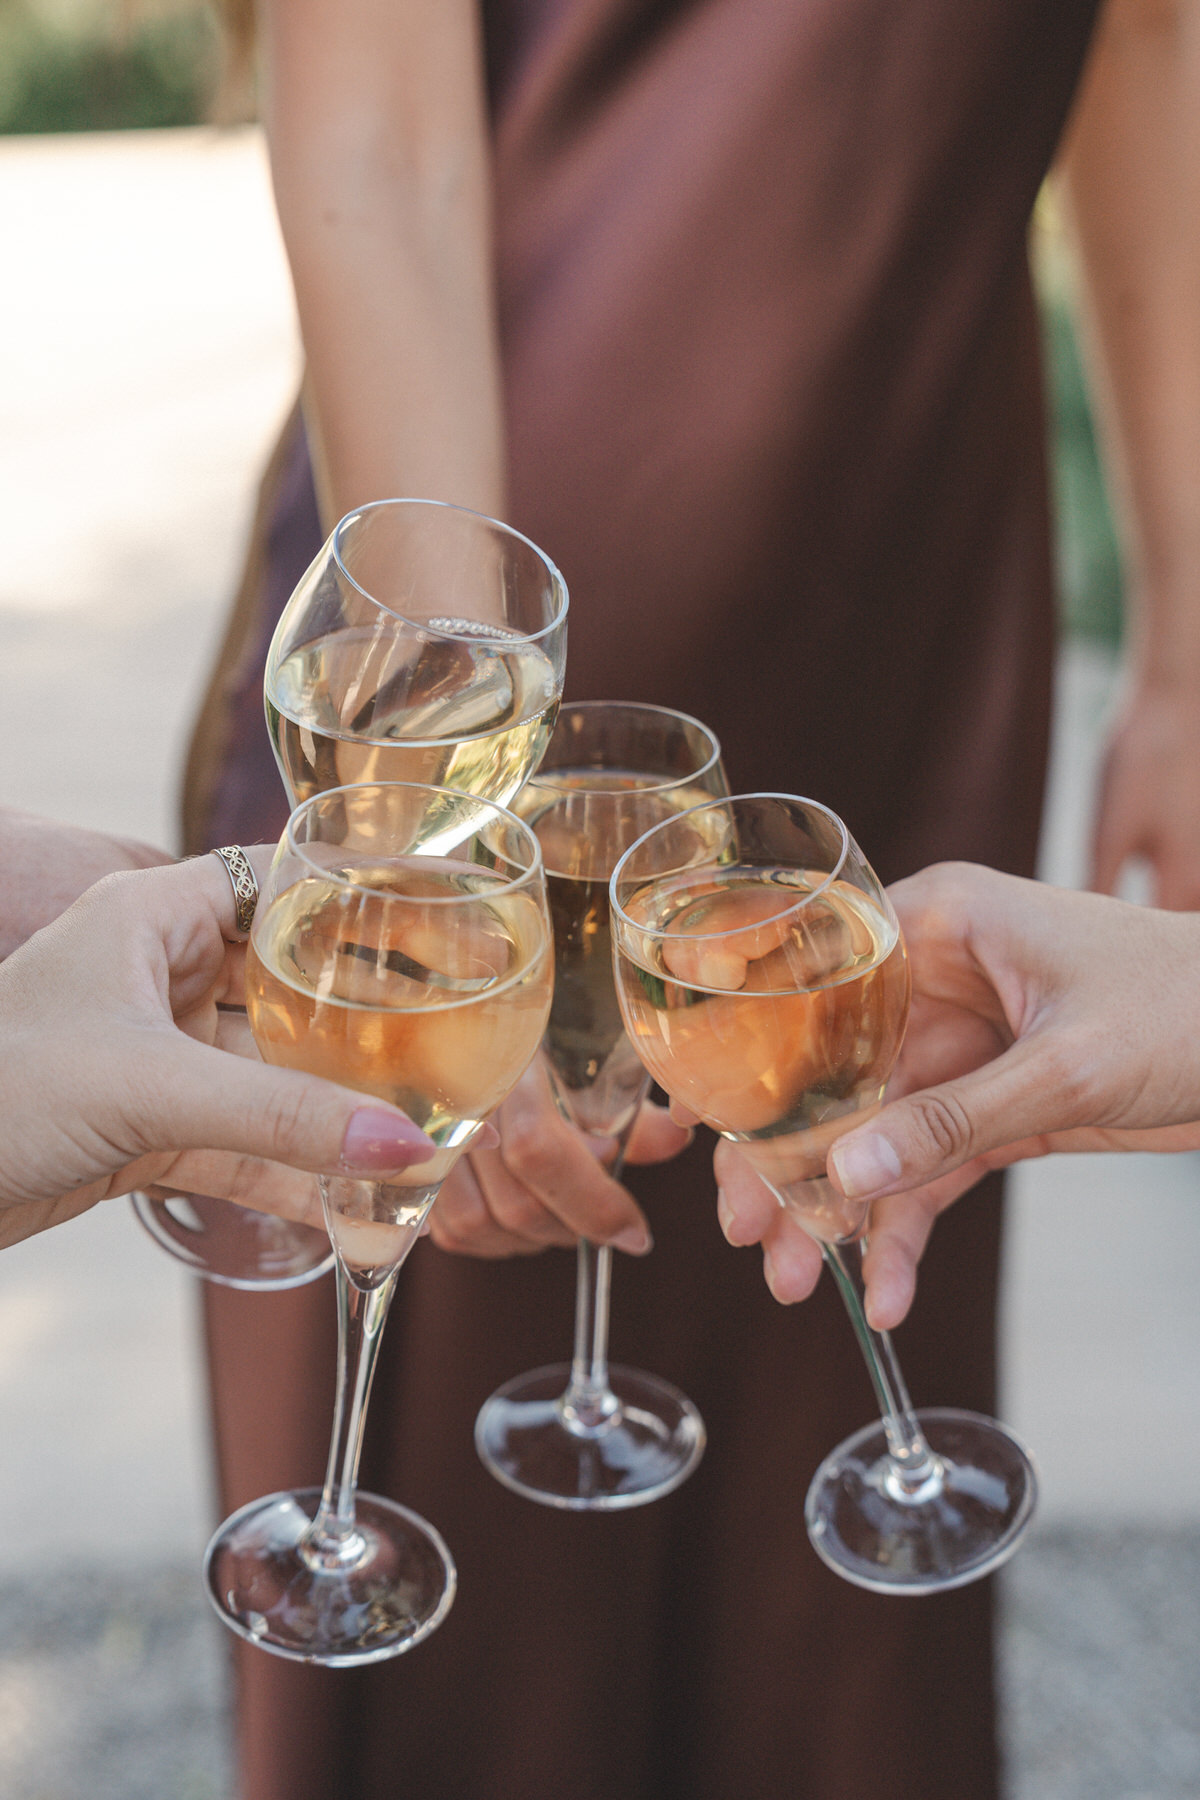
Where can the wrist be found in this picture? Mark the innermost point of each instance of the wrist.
(1163, 649)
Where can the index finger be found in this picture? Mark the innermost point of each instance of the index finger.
(560, 1167)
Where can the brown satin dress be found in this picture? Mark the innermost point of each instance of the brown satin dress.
(774, 409)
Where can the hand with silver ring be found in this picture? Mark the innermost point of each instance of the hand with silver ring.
(115, 1064)
(245, 885)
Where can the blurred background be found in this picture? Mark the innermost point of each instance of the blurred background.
(147, 355)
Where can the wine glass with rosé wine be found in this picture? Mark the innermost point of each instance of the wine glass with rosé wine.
(587, 1435)
(425, 643)
(763, 981)
(401, 946)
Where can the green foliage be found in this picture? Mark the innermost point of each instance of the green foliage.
(1089, 558)
(159, 71)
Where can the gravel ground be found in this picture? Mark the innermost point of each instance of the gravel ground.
(113, 1688)
(1101, 1658)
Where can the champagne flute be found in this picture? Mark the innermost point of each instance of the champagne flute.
(763, 981)
(424, 643)
(420, 974)
(583, 1435)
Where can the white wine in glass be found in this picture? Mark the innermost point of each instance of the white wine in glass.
(588, 1436)
(454, 704)
(763, 981)
(425, 643)
(421, 976)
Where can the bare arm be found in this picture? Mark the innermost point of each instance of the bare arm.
(1131, 180)
(45, 866)
(378, 135)
(376, 123)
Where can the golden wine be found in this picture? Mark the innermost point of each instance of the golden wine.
(471, 713)
(777, 1024)
(584, 820)
(429, 987)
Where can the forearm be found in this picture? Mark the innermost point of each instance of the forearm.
(1131, 180)
(376, 123)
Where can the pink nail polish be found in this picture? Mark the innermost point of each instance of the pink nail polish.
(378, 1142)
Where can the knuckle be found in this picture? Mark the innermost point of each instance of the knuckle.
(944, 1123)
(515, 1208)
(243, 1180)
(523, 1214)
(949, 895)
(459, 1212)
(287, 1118)
(524, 1145)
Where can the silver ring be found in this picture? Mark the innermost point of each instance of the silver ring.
(244, 882)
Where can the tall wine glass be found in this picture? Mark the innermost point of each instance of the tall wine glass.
(386, 958)
(425, 643)
(584, 1435)
(763, 981)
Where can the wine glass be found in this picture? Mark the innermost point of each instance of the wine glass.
(231, 1245)
(424, 643)
(763, 981)
(390, 959)
(583, 1435)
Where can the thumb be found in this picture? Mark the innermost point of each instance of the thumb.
(198, 1097)
(925, 1136)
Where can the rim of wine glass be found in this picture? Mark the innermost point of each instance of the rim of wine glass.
(784, 912)
(511, 883)
(544, 778)
(558, 585)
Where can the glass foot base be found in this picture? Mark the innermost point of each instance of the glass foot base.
(234, 1245)
(267, 1586)
(646, 1447)
(962, 1523)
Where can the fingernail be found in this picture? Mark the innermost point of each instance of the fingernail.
(635, 1240)
(486, 1137)
(724, 1212)
(769, 1273)
(377, 1141)
(729, 1221)
(879, 1305)
(865, 1166)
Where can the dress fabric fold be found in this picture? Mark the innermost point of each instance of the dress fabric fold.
(774, 408)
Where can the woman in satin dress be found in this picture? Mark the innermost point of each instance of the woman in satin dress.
(726, 304)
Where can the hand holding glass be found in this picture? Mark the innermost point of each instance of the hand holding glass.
(763, 981)
(587, 1436)
(425, 643)
(421, 975)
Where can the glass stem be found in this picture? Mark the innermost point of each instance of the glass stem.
(589, 1406)
(915, 1464)
(333, 1540)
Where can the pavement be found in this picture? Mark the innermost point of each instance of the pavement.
(147, 354)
